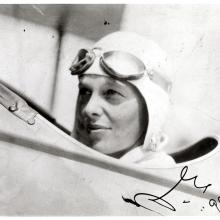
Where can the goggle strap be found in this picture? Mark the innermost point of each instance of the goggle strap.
(161, 81)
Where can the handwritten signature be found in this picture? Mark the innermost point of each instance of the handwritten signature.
(161, 201)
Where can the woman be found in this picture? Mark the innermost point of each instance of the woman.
(123, 99)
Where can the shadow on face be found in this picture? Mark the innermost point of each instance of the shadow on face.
(111, 115)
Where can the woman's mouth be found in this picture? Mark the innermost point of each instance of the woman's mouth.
(96, 127)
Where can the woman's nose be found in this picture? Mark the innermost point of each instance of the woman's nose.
(93, 108)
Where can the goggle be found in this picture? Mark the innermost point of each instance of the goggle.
(118, 64)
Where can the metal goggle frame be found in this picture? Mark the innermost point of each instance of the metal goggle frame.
(116, 64)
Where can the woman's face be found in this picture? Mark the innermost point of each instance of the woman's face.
(111, 116)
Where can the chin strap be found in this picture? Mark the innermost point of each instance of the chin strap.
(16, 105)
(158, 142)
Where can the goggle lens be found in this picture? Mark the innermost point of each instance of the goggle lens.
(122, 65)
(82, 62)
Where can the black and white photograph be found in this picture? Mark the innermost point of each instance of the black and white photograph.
(109, 109)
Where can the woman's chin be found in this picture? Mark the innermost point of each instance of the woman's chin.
(101, 147)
(108, 148)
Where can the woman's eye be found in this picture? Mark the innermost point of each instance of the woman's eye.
(84, 92)
(110, 93)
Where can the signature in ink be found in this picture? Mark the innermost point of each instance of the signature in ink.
(213, 202)
(161, 200)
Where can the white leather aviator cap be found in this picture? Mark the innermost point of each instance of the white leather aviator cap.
(157, 74)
